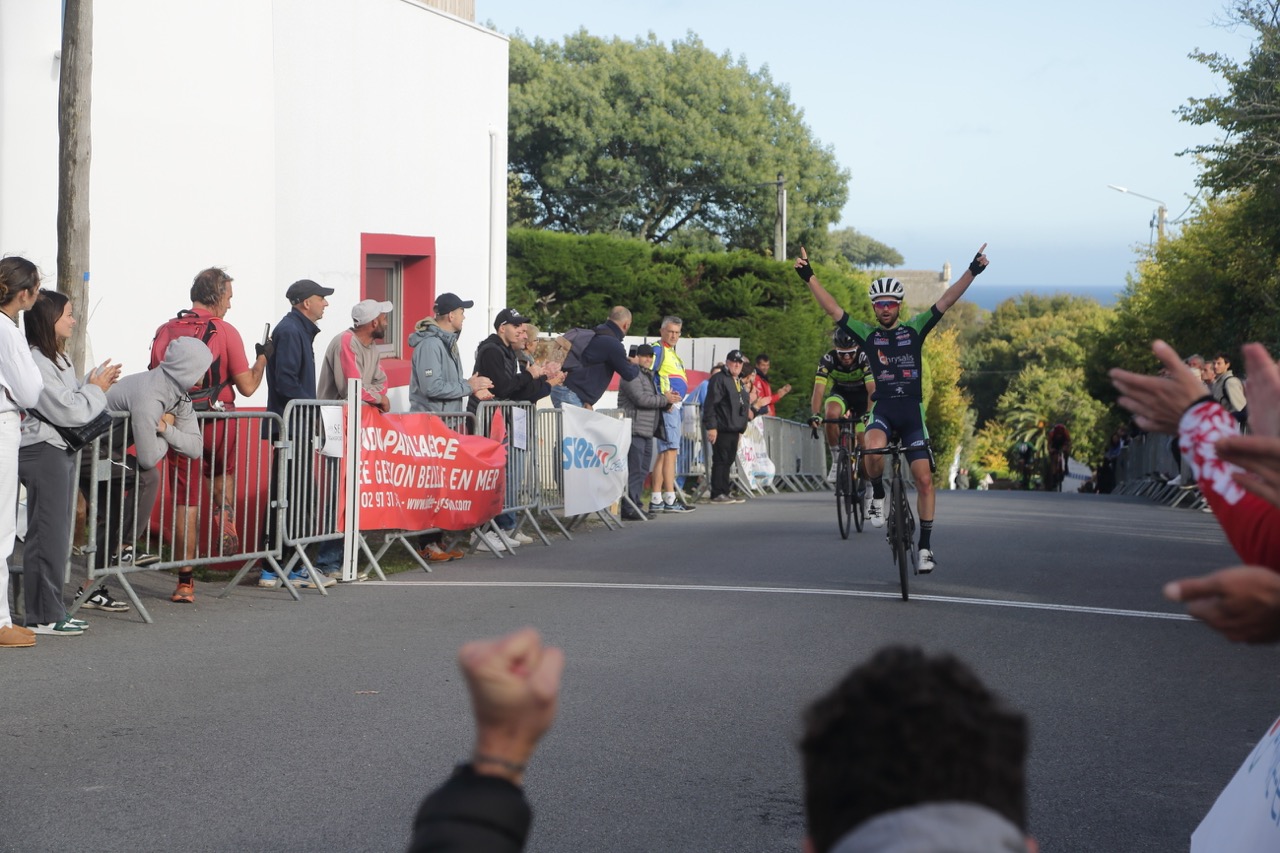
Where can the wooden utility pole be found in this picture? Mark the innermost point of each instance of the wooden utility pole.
(73, 166)
(780, 223)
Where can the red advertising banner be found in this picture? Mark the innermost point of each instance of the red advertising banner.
(417, 473)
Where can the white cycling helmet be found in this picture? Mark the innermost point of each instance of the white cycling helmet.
(886, 288)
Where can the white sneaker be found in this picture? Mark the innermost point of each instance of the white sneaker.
(831, 475)
(521, 538)
(875, 512)
(489, 542)
(926, 561)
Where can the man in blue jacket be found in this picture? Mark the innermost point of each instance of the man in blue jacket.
(603, 357)
(291, 375)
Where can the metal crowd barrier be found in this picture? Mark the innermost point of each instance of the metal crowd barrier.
(1147, 467)
(800, 460)
(521, 499)
(192, 512)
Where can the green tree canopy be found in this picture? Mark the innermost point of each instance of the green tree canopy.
(644, 139)
(1051, 332)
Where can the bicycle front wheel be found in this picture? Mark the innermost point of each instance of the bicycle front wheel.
(900, 535)
(844, 496)
(859, 494)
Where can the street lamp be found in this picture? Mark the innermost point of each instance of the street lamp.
(1162, 212)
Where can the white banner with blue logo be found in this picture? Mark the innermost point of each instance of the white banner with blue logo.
(594, 458)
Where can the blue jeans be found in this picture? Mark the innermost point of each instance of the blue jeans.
(561, 396)
(329, 557)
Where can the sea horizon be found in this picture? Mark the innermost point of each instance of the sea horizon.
(989, 296)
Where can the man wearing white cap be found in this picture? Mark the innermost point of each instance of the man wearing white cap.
(354, 353)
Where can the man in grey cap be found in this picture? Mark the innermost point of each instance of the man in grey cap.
(291, 375)
(437, 385)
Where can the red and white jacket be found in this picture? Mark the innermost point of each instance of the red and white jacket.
(1252, 524)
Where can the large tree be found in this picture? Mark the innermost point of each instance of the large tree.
(642, 139)
(1248, 109)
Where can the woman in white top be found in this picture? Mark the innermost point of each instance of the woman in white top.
(20, 385)
(48, 469)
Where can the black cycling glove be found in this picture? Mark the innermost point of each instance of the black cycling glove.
(976, 268)
(805, 271)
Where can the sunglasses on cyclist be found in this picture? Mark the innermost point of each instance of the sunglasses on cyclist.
(885, 303)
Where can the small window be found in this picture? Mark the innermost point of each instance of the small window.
(384, 281)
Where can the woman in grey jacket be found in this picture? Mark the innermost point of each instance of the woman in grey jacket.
(48, 470)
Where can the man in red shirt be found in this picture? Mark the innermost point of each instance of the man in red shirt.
(763, 391)
(230, 372)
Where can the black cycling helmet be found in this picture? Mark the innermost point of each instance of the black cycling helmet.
(842, 340)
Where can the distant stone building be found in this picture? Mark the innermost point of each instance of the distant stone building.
(923, 287)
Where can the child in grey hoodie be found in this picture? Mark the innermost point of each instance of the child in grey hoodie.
(160, 417)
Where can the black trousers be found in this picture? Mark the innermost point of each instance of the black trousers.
(723, 454)
(639, 458)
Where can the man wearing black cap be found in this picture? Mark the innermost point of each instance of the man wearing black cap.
(724, 417)
(291, 375)
(496, 359)
(437, 384)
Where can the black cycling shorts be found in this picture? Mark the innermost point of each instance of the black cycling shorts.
(904, 418)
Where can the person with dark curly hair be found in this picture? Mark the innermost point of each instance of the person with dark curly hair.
(912, 752)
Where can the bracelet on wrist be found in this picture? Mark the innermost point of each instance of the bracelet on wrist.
(512, 766)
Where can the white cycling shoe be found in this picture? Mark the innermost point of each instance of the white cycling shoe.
(831, 475)
(875, 512)
(927, 562)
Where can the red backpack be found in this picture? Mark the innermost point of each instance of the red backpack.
(189, 324)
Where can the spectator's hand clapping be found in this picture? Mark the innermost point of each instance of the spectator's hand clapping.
(515, 685)
(1158, 402)
(1262, 390)
(1242, 603)
(104, 375)
(480, 383)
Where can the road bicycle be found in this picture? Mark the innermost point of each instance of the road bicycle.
(900, 521)
(851, 483)
(1057, 470)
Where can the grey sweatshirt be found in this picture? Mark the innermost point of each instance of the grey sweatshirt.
(935, 828)
(65, 400)
(148, 396)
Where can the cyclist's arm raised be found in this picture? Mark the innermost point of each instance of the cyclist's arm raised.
(953, 293)
(825, 300)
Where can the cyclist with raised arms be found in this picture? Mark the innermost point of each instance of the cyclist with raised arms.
(842, 387)
(895, 351)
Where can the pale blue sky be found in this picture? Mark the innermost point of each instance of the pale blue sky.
(968, 122)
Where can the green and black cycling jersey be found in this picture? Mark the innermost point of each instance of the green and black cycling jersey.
(895, 354)
(849, 384)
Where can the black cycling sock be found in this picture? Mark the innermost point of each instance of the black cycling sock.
(187, 576)
(877, 488)
(926, 527)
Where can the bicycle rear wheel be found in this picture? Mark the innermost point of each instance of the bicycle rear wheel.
(844, 496)
(900, 535)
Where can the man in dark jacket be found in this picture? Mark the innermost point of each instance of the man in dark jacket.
(724, 417)
(603, 357)
(639, 400)
(291, 375)
(496, 359)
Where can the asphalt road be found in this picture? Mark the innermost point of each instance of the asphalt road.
(254, 723)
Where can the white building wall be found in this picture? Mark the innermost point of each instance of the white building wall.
(263, 137)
